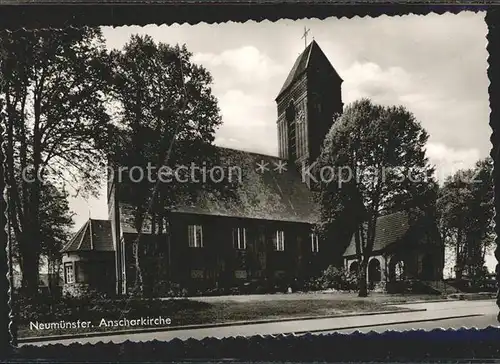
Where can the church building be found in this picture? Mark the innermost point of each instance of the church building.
(266, 236)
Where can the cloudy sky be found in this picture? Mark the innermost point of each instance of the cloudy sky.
(435, 65)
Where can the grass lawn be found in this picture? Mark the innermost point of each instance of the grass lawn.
(192, 312)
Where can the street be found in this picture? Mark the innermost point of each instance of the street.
(487, 309)
(448, 314)
(467, 322)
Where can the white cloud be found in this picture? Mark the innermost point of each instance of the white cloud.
(248, 63)
(240, 108)
(368, 79)
(448, 160)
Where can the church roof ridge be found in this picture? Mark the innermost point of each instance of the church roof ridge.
(249, 152)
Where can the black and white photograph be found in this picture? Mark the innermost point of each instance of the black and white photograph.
(237, 179)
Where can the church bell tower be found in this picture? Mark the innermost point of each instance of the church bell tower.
(307, 104)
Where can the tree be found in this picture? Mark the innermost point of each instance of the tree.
(466, 210)
(54, 87)
(167, 116)
(373, 162)
(55, 221)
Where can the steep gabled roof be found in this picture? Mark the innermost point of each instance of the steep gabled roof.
(94, 235)
(389, 230)
(269, 196)
(306, 60)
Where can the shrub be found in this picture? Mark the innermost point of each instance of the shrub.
(479, 279)
(172, 289)
(339, 279)
(313, 284)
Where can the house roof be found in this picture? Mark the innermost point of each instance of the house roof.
(389, 230)
(94, 235)
(307, 59)
(270, 195)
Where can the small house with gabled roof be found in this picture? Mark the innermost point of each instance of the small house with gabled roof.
(402, 250)
(89, 260)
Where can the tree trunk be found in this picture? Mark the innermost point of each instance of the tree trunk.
(362, 278)
(169, 249)
(138, 286)
(57, 276)
(33, 236)
(29, 282)
(50, 269)
(458, 260)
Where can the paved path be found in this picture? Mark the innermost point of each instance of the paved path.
(485, 312)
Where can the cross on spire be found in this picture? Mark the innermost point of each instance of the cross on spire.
(306, 31)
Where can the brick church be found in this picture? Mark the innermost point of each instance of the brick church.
(267, 236)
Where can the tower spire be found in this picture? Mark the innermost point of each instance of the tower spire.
(306, 31)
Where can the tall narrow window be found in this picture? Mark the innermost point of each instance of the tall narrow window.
(314, 243)
(195, 236)
(290, 116)
(240, 238)
(69, 274)
(279, 244)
